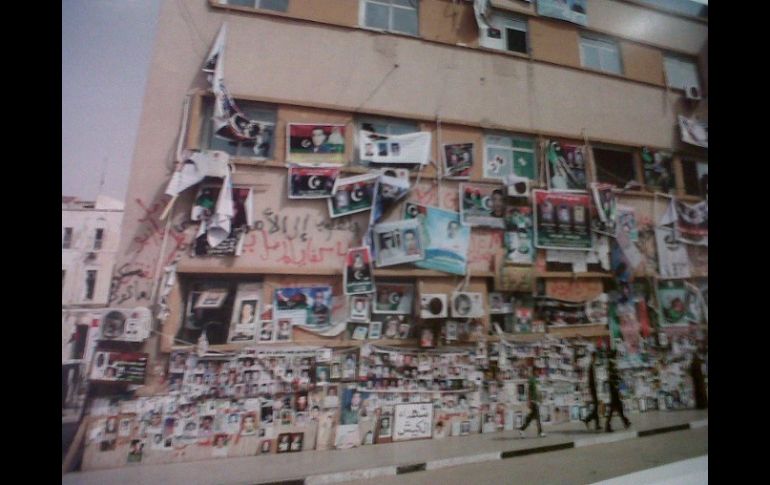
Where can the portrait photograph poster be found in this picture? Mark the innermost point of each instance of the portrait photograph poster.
(458, 161)
(309, 306)
(562, 220)
(411, 148)
(566, 167)
(360, 308)
(307, 182)
(246, 311)
(352, 194)
(445, 239)
(320, 143)
(673, 260)
(482, 205)
(672, 298)
(358, 275)
(519, 247)
(606, 209)
(398, 242)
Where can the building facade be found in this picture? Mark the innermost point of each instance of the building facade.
(502, 80)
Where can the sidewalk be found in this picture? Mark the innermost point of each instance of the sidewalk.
(315, 467)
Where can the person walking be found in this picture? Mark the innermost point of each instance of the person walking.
(699, 384)
(594, 416)
(533, 402)
(615, 402)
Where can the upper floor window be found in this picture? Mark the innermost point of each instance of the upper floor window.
(394, 15)
(614, 166)
(600, 54)
(681, 72)
(695, 177)
(508, 33)
(98, 239)
(66, 241)
(383, 126)
(90, 284)
(278, 5)
(505, 154)
(684, 7)
(262, 148)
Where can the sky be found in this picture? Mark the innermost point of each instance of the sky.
(106, 51)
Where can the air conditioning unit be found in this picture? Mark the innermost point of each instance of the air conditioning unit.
(518, 186)
(433, 305)
(126, 325)
(467, 305)
(692, 93)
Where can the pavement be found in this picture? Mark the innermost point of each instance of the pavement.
(391, 459)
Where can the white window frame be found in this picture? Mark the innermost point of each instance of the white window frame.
(503, 22)
(257, 4)
(602, 44)
(388, 4)
(682, 64)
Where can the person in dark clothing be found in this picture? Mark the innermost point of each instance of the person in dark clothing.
(699, 384)
(533, 402)
(594, 416)
(615, 402)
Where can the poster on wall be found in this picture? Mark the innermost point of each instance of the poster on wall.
(566, 166)
(571, 10)
(388, 191)
(672, 298)
(562, 220)
(458, 161)
(360, 308)
(311, 182)
(692, 223)
(658, 170)
(129, 367)
(315, 143)
(413, 421)
(308, 306)
(352, 194)
(482, 205)
(398, 242)
(673, 261)
(519, 247)
(506, 156)
(606, 209)
(627, 222)
(246, 310)
(394, 298)
(359, 276)
(412, 148)
(230, 226)
(444, 238)
(694, 132)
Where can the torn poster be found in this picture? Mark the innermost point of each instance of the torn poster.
(658, 170)
(519, 247)
(359, 277)
(445, 240)
(352, 194)
(389, 190)
(606, 209)
(458, 161)
(694, 132)
(311, 182)
(566, 166)
(673, 261)
(692, 223)
(318, 143)
(241, 201)
(412, 148)
(309, 306)
(228, 120)
(482, 205)
(220, 222)
(562, 220)
(246, 311)
(573, 11)
(195, 168)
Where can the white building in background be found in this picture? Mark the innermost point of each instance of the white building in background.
(90, 238)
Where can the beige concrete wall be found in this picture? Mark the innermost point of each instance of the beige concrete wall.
(642, 63)
(552, 41)
(448, 21)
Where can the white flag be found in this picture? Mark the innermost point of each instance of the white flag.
(197, 167)
(219, 224)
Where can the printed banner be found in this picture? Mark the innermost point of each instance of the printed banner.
(673, 261)
(458, 161)
(311, 182)
(566, 167)
(562, 220)
(694, 132)
(317, 143)
(519, 247)
(352, 194)
(444, 238)
(559, 313)
(658, 170)
(409, 148)
(606, 209)
(246, 311)
(571, 10)
(197, 167)
(359, 277)
(692, 223)
(396, 298)
(309, 306)
(127, 367)
(482, 205)
(398, 242)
